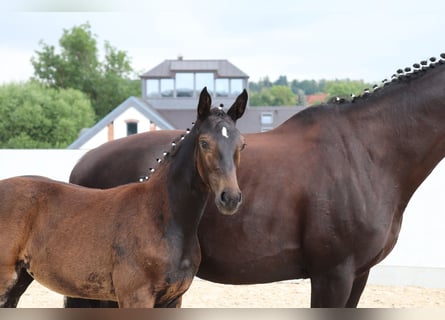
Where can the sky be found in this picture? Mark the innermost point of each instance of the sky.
(317, 39)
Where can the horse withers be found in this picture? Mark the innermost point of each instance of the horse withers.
(135, 244)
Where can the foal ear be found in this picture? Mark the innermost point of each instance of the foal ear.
(204, 104)
(239, 106)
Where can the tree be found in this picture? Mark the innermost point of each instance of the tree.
(77, 66)
(37, 116)
(344, 88)
(115, 85)
(273, 96)
(281, 81)
(308, 86)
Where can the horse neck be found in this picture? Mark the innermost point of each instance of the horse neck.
(403, 126)
(187, 194)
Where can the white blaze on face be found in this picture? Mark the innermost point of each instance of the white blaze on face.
(224, 132)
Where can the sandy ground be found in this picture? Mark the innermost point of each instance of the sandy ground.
(295, 294)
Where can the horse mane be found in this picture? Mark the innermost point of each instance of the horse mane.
(400, 76)
(178, 142)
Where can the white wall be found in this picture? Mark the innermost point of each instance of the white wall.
(120, 128)
(51, 163)
(418, 258)
(120, 123)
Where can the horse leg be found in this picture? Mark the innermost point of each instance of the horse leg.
(357, 290)
(139, 298)
(13, 286)
(331, 290)
(176, 303)
(23, 281)
(70, 302)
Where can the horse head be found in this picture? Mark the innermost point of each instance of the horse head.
(218, 150)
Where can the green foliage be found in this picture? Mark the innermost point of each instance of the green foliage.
(344, 88)
(261, 84)
(308, 86)
(264, 92)
(273, 96)
(281, 81)
(77, 66)
(37, 116)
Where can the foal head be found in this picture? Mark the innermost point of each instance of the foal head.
(218, 150)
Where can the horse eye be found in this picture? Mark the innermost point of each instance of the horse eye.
(204, 144)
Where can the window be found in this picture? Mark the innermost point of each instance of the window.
(222, 87)
(132, 128)
(167, 87)
(266, 118)
(184, 84)
(236, 86)
(152, 87)
(190, 84)
(204, 80)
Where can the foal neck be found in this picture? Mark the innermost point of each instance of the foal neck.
(185, 191)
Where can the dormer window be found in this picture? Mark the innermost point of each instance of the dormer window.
(222, 87)
(132, 127)
(204, 79)
(185, 84)
(185, 79)
(228, 87)
(167, 87)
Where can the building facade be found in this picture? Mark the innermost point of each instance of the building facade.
(170, 93)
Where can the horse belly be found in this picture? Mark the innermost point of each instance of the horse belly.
(93, 284)
(68, 267)
(284, 265)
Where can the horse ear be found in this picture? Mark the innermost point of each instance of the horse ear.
(239, 106)
(204, 104)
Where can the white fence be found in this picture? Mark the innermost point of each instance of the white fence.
(418, 258)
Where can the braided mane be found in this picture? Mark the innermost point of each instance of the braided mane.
(404, 74)
(176, 143)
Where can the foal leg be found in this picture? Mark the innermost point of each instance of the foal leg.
(139, 298)
(12, 285)
(70, 302)
(23, 281)
(357, 290)
(176, 303)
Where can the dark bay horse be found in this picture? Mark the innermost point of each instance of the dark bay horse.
(135, 244)
(323, 194)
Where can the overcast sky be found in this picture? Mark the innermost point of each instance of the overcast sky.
(313, 39)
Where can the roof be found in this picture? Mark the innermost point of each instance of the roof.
(316, 98)
(132, 102)
(249, 123)
(222, 68)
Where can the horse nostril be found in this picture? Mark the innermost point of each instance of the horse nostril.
(226, 199)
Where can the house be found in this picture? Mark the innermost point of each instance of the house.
(170, 93)
(316, 98)
(131, 116)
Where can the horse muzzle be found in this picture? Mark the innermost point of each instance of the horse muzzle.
(229, 202)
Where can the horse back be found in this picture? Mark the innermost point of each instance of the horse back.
(131, 158)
